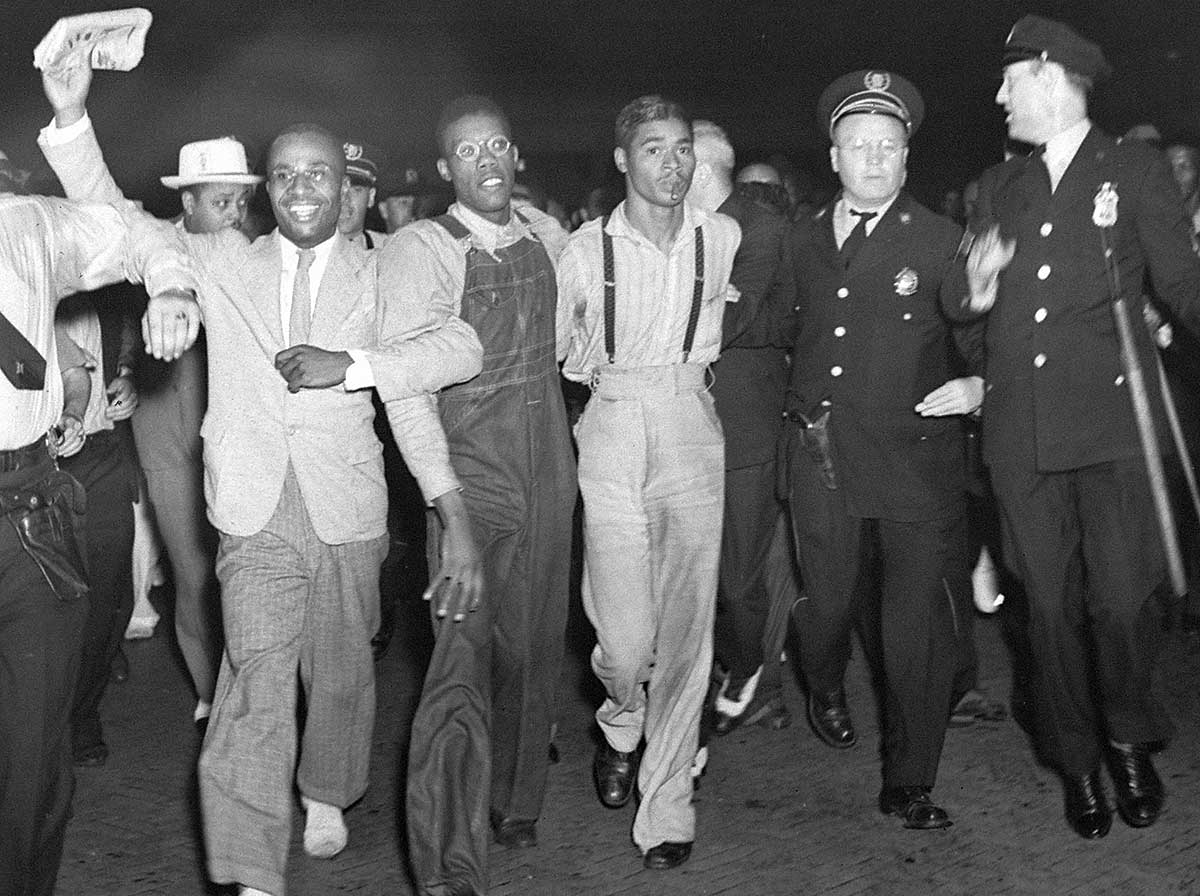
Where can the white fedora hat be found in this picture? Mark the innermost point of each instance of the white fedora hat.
(212, 161)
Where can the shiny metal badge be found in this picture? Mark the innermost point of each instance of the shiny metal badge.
(1104, 212)
(906, 282)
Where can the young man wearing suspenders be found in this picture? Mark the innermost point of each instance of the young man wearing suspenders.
(642, 298)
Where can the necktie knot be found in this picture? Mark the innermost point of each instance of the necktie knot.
(857, 236)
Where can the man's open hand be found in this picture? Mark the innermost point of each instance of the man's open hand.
(456, 587)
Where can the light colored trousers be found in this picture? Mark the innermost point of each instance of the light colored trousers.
(652, 474)
(292, 604)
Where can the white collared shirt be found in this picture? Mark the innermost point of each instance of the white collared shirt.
(290, 255)
(844, 222)
(1061, 149)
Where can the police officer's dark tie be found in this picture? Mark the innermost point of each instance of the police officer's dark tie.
(1039, 160)
(857, 236)
(23, 365)
(301, 300)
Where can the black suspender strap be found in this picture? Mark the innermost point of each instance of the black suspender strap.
(697, 297)
(453, 226)
(370, 242)
(610, 294)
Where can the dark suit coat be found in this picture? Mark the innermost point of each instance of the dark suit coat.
(873, 341)
(1057, 397)
(751, 375)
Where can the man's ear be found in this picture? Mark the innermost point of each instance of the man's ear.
(371, 198)
(620, 159)
(833, 158)
(443, 168)
(189, 202)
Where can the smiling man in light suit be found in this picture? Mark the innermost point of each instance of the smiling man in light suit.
(294, 484)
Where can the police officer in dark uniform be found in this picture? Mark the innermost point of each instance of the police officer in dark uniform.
(1059, 431)
(875, 454)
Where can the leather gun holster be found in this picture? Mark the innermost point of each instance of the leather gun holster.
(48, 520)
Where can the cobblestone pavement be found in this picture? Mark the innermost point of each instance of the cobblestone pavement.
(779, 813)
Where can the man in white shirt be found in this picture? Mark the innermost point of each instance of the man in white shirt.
(641, 297)
(294, 484)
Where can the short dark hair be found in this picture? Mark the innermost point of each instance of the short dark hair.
(303, 129)
(651, 107)
(468, 104)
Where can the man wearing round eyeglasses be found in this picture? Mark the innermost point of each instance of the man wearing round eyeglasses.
(489, 691)
(874, 452)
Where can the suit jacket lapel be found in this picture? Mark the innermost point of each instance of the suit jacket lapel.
(340, 286)
(260, 273)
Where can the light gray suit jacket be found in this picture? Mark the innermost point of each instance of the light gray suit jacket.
(254, 427)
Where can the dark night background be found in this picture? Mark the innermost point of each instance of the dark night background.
(563, 69)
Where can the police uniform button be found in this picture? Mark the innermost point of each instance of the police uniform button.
(1039, 315)
(907, 315)
(835, 370)
(1120, 380)
(795, 307)
(1043, 272)
(839, 332)
(826, 403)
(1046, 229)
(843, 292)
(1039, 360)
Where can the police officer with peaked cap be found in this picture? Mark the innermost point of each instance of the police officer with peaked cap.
(874, 448)
(1059, 431)
(362, 175)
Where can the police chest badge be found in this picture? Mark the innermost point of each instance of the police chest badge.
(1104, 212)
(906, 282)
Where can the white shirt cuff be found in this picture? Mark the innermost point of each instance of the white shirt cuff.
(56, 136)
(359, 374)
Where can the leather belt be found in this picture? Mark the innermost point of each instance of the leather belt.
(14, 459)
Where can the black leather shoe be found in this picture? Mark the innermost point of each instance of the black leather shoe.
(667, 855)
(614, 773)
(516, 834)
(1139, 789)
(92, 756)
(915, 806)
(830, 719)
(1087, 809)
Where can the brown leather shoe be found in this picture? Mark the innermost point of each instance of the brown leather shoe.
(614, 773)
(830, 719)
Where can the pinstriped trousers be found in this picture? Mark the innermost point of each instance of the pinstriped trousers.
(292, 604)
(652, 474)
